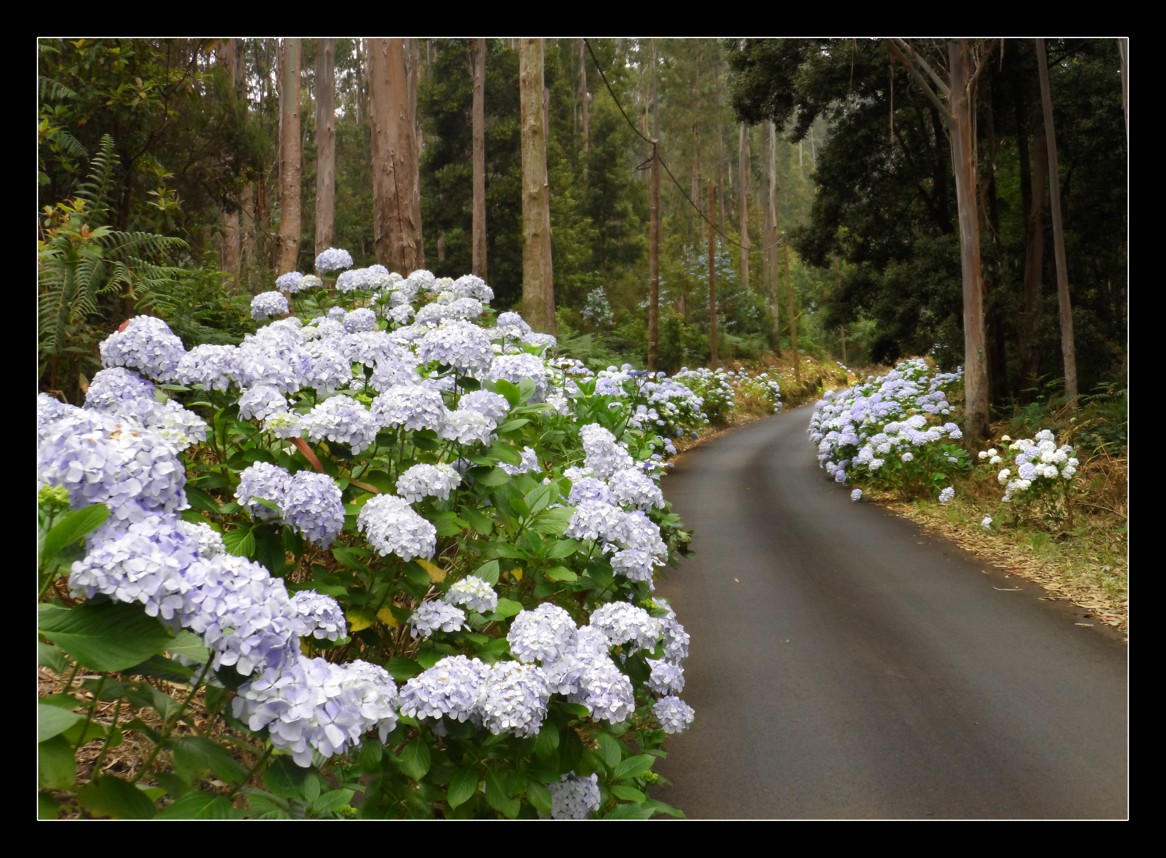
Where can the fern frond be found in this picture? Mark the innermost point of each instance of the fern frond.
(53, 90)
(94, 190)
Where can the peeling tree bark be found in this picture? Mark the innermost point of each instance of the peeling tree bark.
(538, 290)
(290, 156)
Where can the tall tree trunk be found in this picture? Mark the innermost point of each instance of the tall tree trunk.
(1034, 173)
(325, 145)
(538, 291)
(396, 224)
(413, 141)
(770, 252)
(230, 239)
(654, 264)
(584, 97)
(791, 309)
(743, 199)
(713, 358)
(290, 156)
(478, 131)
(1068, 350)
(963, 157)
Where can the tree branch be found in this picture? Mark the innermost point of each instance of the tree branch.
(896, 48)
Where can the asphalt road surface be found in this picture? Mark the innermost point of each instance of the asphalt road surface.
(844, 665)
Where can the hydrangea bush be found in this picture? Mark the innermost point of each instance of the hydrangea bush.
(410, 561)
(892, 432)
(1039, 475)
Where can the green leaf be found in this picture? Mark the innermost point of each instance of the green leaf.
(189, 646)
(53, 720)
(553, 522)
(332, 801)
(633, 767)
(47, 807)
(504, 452)
(611, 750)
(570, 750)
(507, 608)
(108, 797)
(539, 497)
(402, 669)
(631, 811)
(547, 741)
(462, 787)
(489, 572)
(201, 500)
(627, 793)
(561, 573)
(198, 805)
(49, 656)
(56, 767)
(561, 548)
(539, 796)
(72, 526)
(240, 542)
(492, 477)
(284, 778)
(106, 637)
(414, 760)
(195, 755)
(497, 797)
(479, 521)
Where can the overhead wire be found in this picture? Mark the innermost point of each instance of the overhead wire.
(656, 155)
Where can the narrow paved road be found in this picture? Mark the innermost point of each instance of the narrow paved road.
(844, 665)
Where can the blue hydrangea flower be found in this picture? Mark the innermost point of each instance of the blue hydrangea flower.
(263, 481)
(144, 562)
(448, 689)
(674, 714)
(392, 527)
(467, 427)
(493, 405)
(290, 282)
(333, 259)
(269, 304)
(436, 616)
(946, 495)
(458, 344)
(529, 463)
(667, 677)
(344, 420)
(313, 706)
(545, 633)
(120, 392)
(513, 698)
(574, 797)
(243, 614)
(605, 690)
(318, 616)
(856, 495)
(422, 481)
(212, 366)
(473, 593)
(260, 402)
(409, 406)
(313, 505)
(102, 460)
(359, 320)
(627, 624)
(144, 344)
(604, 455)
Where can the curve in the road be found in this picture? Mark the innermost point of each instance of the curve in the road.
(846, 665)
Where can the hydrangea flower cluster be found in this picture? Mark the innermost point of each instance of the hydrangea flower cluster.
(393, 527)
(343, 420)
(333, 259)
(430, 617)
(311, 503)
(890, 419)
(423, 481)
(144, 344)
(313, 706)
(1038, 461)
(473, 593)
(574, 797)
(267, 304)
(947, 495)
(291, 282)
